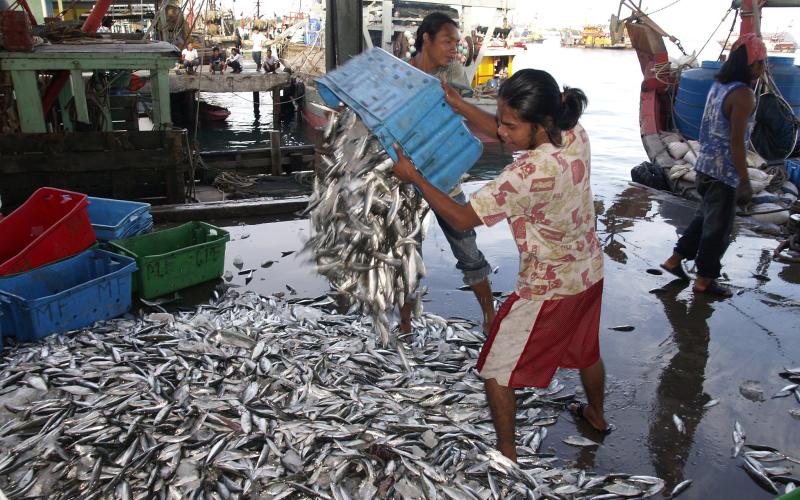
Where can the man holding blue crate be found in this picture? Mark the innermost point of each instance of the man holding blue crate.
(437, 38)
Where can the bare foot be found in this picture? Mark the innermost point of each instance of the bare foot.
(508, 450)
(591, 415)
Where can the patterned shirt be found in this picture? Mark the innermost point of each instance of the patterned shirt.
(714, 158)
(546, 198)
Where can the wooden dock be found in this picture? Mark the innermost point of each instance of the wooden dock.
(228, 82)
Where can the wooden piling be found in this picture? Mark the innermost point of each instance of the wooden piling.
(275, 151)
(276, 108)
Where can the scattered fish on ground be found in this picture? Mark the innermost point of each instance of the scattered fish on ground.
(267, 263)
(289, 252)
(238, 262)
(623, 328)
(252, 397)
(367, 225)
(678, 421)
(680, 488)
(580, 441)
(738, 438)
(712, 403)
(161, 300)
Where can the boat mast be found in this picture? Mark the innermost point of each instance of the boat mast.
(751, 18)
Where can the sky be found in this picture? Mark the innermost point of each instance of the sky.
(692, 21)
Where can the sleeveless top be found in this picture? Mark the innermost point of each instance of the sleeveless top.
(714, 158)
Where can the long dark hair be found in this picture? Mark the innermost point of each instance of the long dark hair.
(535, 96)
(431, 25)
(735, 68)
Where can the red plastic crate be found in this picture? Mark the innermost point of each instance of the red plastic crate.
(51, 225)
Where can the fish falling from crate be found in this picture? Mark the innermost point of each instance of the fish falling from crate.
(367, 226)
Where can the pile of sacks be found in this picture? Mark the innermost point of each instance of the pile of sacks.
(766, 206)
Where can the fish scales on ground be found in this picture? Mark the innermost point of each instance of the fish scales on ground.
(254, 397)
(367, 227)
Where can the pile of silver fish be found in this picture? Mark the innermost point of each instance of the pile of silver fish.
(769, 466)
(253, 397)
(367, 226)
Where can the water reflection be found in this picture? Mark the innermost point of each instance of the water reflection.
(680, 386)
(628, 207)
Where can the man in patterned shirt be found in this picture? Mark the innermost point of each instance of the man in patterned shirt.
(552, 318)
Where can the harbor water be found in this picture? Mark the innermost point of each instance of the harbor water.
(684, 350)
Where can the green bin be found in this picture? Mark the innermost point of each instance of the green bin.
(176, 258)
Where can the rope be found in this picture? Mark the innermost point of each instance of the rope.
(663, 8)
(730, 32)
(712, 34)
(230, 180)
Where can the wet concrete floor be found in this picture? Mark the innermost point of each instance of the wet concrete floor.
(684, 351)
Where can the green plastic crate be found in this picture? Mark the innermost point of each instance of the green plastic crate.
(176, 258)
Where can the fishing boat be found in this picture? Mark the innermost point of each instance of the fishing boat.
(777, 42)
(212, 112)
(672, 99)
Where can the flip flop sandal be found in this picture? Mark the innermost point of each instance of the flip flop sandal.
(578, 413)
(716, 290)
(676, 271)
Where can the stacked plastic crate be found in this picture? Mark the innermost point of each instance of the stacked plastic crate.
(119, 219)
(52, 276)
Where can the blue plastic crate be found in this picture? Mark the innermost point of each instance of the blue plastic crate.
(399, 103)
(72, 293)
(115, 219)
(793, 169)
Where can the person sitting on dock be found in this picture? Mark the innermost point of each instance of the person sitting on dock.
(105, 26)
(217, 63)
(234, 61)
(190, 59)
(271, 63)
(721, 166)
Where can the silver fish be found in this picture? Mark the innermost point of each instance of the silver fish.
(579, 441)
(679, 424)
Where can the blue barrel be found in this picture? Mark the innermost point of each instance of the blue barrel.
(787, 78)
(695, 84)
(691, 99)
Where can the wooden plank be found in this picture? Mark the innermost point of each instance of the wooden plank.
(85, 141)
(29, 102)
(86, 62)
(228, 209)
(63, 103)
(79, 94)
(275, 150)
(228, 82)
(159, 88)
(255, 164)
(259, 152)
(85, 162)
(130, 185)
